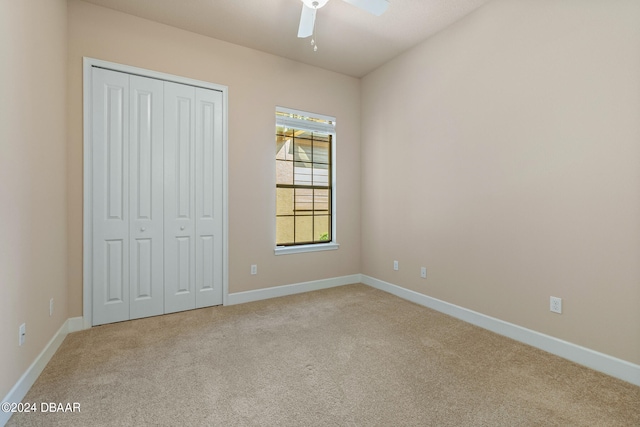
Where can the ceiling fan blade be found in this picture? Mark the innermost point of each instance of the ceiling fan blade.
(376, 7)
(307, 20)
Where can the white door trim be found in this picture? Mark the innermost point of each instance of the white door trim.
(87, 238)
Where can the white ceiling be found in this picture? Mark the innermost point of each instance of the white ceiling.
(350, 40)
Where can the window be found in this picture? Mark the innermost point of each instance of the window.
(305, 191)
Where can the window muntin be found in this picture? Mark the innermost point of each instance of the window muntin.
(304, 184)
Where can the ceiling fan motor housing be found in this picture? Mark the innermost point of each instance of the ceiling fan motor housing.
(314, 4)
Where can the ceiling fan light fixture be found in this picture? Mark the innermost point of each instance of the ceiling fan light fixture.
(310, 8)
(308, 20)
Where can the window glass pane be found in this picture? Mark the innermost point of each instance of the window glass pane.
(322, 228)
(304, 229)
(302, 134)
(284, 172)
(284, 230)
(304, 201)
(284, 201)
(281, 130)
(317, 136)
(302, 173)
(321, 203)
(302, 150)
(284, 148)
(320, 151)
(320, 174)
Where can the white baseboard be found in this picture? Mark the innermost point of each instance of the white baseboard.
(76, 324)
(297, 288)
(604, 363)
(20, 389)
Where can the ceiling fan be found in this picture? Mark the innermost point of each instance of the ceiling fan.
(310, 7)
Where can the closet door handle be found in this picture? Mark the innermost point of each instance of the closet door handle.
(142, 228)
(182, 228)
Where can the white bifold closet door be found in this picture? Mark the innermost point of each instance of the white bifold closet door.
(193, 262)
(157, 196)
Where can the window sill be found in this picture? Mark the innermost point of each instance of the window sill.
(284, 250)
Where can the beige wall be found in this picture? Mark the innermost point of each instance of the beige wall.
(33, 235)
(257, 83)
(504, 155)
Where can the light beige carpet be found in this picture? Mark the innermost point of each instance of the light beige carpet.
(347, 356)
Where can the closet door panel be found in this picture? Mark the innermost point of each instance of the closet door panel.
(208, 209)
(110, 196)
(179, 197)
(146, 197)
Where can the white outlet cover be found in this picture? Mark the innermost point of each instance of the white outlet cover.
(555, 305)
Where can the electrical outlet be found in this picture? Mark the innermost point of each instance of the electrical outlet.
(556, 305)
(423, 272)
(51, 307)
(22, 333)
(395, 265)
(254, 269)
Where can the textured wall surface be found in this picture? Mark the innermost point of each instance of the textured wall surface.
(33, 205)
(503, 154)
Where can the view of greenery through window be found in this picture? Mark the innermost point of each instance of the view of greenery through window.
(303, 186)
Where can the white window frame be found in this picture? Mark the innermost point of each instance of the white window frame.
(313, 127)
